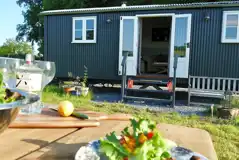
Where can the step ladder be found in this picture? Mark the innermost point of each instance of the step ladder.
(139, 89)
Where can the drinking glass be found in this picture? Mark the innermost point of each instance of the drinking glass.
(8, 69)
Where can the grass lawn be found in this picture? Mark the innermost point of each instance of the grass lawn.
(225, 133)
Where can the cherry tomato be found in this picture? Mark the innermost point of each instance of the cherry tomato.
(150, 135)
(122, 140)
(142, 138)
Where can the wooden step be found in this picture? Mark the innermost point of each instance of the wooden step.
(147, 81)
(150, 90)
(147, 99)
(152, 76)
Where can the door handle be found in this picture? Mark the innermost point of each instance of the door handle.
(188, 45)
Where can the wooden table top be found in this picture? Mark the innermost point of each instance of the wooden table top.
(62, 144)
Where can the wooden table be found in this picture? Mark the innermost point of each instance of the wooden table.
(62, 144)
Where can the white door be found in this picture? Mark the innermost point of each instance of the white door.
(180, 44)
(128, 43)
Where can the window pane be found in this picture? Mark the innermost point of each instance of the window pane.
(78, 35)
(232, 20)
(231, 32)
(78, 24)
(128, 37)
(90, 35)
(90, 24)
(180, 39)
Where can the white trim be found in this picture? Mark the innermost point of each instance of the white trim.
(120, 46)
(132, 61)
(136, 44)
(171, 52)
(182, 60)
(223, 32)
(155, 15)
(140, 31)
(84, 19)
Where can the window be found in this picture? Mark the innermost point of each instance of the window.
(230, 27)
(84, 30)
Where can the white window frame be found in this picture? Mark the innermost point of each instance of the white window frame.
(223, 38)
(84, 19)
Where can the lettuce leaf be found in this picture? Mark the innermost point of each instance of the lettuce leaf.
(144, 152)
(156, 148)
(112, 147)
(110, 150)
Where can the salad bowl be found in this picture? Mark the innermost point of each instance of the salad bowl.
(142, 142)
(10, 109)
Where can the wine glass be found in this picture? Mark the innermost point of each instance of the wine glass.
(49, 71)
(34, 76)
(8, 69)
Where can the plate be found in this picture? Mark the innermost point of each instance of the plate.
(91, 152)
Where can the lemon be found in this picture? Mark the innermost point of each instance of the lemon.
(65, 108)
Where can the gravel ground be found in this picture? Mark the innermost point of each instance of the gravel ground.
(180, 106)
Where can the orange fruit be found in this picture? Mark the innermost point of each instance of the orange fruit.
(65, 108)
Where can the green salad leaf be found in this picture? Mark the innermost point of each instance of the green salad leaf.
(6, 96)
(142, 142)
(144, 151)
(112, 148)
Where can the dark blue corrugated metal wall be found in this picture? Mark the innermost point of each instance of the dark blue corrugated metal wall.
(208, 56)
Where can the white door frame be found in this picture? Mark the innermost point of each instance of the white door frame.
(155, 15)
(131, 70)
(172, 32)
(172, 44)
(172, 38)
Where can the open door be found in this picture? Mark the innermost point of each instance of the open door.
(128, 43)
(180, 44)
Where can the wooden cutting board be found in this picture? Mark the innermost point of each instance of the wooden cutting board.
(100, 115)
(51, 119)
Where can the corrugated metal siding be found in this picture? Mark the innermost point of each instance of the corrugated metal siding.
(45, 37)
(208, 56)
(100, 58)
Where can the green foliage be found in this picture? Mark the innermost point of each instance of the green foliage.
(232, 102)
(77, 79)
(13, 48)
(70, 4)
(63, 4)
(235, 102)
(29, 29)
(237, 121)
(55, 94)
(84, 82)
